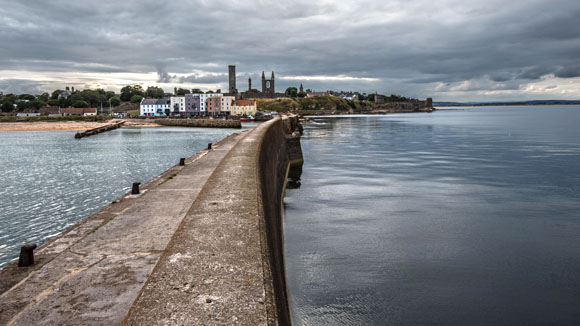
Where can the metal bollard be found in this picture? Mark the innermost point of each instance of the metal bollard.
(135, 190)
(182, 161)
(209, 146)
(27, 255)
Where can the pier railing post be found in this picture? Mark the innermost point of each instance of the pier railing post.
(27, 255)
(135, 190)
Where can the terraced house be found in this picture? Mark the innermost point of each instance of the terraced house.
(152, 107)
(245, 107)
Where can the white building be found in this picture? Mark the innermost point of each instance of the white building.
(162, 106)
(151, 107)
(147, 107)
(177, 104)
(227, 104)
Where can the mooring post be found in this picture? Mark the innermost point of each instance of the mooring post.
(27, 255)
(209, 146)
(182, 161)
(135, 190)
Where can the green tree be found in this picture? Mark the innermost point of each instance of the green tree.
(94, 98)
(76, 97)
(182, 91)
(114, 101)
(37, 104)
(196, 91)
(43, 97)
(21, 106)
(62, 102)
(154, 92)
(209, 92)
(55, 94)
(52, 102)
(80, 104)
(128, 92)
(291, 91)
(301, 94)
(136, 98)
(10, 98)
(108, 95)
(7, 106)
(26, 97)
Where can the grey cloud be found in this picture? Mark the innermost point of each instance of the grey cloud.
(569, 71)
(409, 46)
(535, 72)
(20, 86)
(165, 77)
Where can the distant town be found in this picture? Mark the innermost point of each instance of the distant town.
(154, 102)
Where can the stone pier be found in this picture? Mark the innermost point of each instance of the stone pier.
(200, 245)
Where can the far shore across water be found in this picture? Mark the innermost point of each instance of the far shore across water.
(67, 125)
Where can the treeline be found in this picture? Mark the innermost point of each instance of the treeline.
(62, 98)
(86, 98)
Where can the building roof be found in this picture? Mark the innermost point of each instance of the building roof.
(164, 101)
(245, 102)
(148, 101)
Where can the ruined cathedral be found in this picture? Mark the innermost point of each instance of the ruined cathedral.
(268, 86)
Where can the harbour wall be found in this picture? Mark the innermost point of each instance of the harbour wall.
(202, 244)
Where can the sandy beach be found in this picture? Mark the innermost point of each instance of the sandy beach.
(66, 125)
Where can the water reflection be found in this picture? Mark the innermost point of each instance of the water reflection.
(459, 217)
(50, 180)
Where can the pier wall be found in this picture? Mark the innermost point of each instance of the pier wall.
(277, 160)
(202, 244)
(229, 248)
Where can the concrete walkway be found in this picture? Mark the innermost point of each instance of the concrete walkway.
(215, 269)
(92, 274)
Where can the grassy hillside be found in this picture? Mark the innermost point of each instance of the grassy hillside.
(320, 103)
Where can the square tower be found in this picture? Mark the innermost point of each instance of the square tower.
(232, 74)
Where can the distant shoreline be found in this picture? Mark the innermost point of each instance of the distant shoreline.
(503, 104)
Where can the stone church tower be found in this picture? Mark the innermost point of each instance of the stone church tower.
(268, 85)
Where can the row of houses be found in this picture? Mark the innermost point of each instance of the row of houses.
(197, 105)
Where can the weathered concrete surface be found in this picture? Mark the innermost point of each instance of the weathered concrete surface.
(91, 274)
(156, 259)
(224, 265)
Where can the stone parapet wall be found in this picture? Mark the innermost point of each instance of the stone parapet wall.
(277, 158)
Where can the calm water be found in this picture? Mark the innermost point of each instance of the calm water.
(468, 217)
(50, 181)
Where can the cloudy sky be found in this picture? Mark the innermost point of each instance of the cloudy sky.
(449, 50)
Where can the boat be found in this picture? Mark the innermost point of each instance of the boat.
(248, 119)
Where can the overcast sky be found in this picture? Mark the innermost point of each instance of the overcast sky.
(449, 50)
